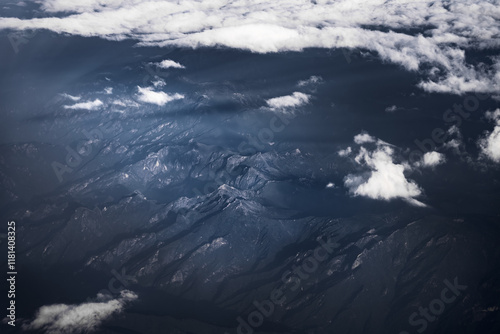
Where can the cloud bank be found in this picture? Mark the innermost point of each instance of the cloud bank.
(434, 33)
(83, 318)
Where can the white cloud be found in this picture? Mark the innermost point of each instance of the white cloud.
(71, 97)
(363, 138)
(90, 105)
(311, 81)
(490, 143)
(148, 95)
(345, 152)
(385, 179)
(159, 83)
(432, 159)
(454, 130)
(493, 115)
(125, 103)
(83, 318)
(167, 63)
(455, 143)
(447, 30)
(392, 108)
(297, 99)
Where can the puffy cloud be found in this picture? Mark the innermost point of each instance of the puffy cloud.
(90, 105)
(431, 159)
(385, 179)
(363, 138)
(493, 115)
(345, 152)
(169, 64)
(83, 318)
(490, 143)
(297, 99)
(454, 144)
(159, 83)
(148, 95)
(447, 29)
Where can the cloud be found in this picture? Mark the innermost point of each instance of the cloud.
(392, 108)
(159, 83)
(311, 81)
(345, 152)
(147, 95)
(466, 78)
(90, 105)
(385, 179)
(169, 64)
(434, 33)
(83, 318)
(71, 97)
(125, 103)
(454, 130)
(297, 99)
(432, 159)
(454, 144)
(490, 143)
(364, 138)
(455, 141)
